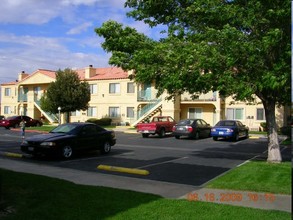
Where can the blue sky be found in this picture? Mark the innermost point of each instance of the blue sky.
(57, 34)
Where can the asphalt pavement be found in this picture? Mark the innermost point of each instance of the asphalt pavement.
(267, 201)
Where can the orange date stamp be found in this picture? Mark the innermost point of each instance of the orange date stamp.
(233, 197)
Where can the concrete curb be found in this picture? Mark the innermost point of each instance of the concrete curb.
(123, 170)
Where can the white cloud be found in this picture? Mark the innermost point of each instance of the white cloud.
(80, 28)
(31, 53)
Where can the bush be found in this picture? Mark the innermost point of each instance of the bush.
(101, 122)
(286, 130)
(264, 126)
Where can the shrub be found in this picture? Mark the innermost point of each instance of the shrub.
(286, 130)
(101, 122)
(264, 126)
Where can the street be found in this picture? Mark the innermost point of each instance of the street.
(183, 161)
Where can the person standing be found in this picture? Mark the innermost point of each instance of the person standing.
(22, 127)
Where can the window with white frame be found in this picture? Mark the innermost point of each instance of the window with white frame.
(195, 113)
(7, 92)
(114, 88)
(93, 88)
(235, 113)
(114, 112)
(130, 112)
(260, 114)
(130, 87)
(7, 110)
(92, 111)
(73, 113)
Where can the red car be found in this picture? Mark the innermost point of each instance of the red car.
(14, 122)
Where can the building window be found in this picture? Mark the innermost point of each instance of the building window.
(195, 113)
(7, 92)
(92, 111)
(234, 113)
(114, 112)
(93, 88)
(7, 110)
(260, 114)
(130, 87)
(130, 112)
(73, 113)
(114, 88)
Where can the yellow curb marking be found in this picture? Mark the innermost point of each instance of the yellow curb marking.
(13, 155)
(253, 137)
(123, 170)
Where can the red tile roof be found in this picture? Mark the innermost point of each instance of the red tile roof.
(100, 74)
(104, 73)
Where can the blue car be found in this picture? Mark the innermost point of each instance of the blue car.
(229, 129)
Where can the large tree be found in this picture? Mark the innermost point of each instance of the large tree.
(240, 48)
(67, 92)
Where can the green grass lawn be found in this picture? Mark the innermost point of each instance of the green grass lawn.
(40, 198)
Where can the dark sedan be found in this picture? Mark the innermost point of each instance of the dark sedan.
(14, 121)
(68, 139)
(192, 128)
(229, 129)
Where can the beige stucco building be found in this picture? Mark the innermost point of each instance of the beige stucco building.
(114, 95)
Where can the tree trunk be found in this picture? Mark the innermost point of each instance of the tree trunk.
(274, 154)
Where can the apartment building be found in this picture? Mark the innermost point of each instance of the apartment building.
(115, 96)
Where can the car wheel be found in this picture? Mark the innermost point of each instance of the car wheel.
(215, 138)
(162, 133)
(236, 137)
(246, 134)
(67, 152)
(145, 135)
(38, 124)
(196, 136)
(177, 136)
(106, 148)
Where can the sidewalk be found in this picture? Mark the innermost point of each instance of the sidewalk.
(165, 189)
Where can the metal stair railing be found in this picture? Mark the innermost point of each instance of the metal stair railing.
(147, 110)
(51, 117)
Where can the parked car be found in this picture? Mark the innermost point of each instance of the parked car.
(14, 121)
(192, 128)
(159, 125)
(229, 129)
(68, 139)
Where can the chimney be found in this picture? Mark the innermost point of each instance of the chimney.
(22, 75)
(89, 72)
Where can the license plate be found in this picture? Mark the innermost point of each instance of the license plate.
(221, 132)
(180, 129)
(145, 131)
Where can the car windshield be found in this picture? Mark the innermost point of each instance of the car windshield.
(185, 122)
(226, 123)
(11, 118)
(65, 128)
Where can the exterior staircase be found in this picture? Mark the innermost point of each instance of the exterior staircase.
(148, 111)
(51, 117)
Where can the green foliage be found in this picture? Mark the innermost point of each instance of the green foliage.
(239, 48)
(67, 92)
(101, 122)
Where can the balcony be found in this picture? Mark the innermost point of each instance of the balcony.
(22, 97)
(207, 97)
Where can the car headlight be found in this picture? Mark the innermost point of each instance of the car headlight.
(24, 142)
(48, 144)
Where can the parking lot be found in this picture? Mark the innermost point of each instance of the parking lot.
(183, 161)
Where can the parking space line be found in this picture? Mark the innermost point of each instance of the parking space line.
(168, 161)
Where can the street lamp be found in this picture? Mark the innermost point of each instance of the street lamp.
(59, 117)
